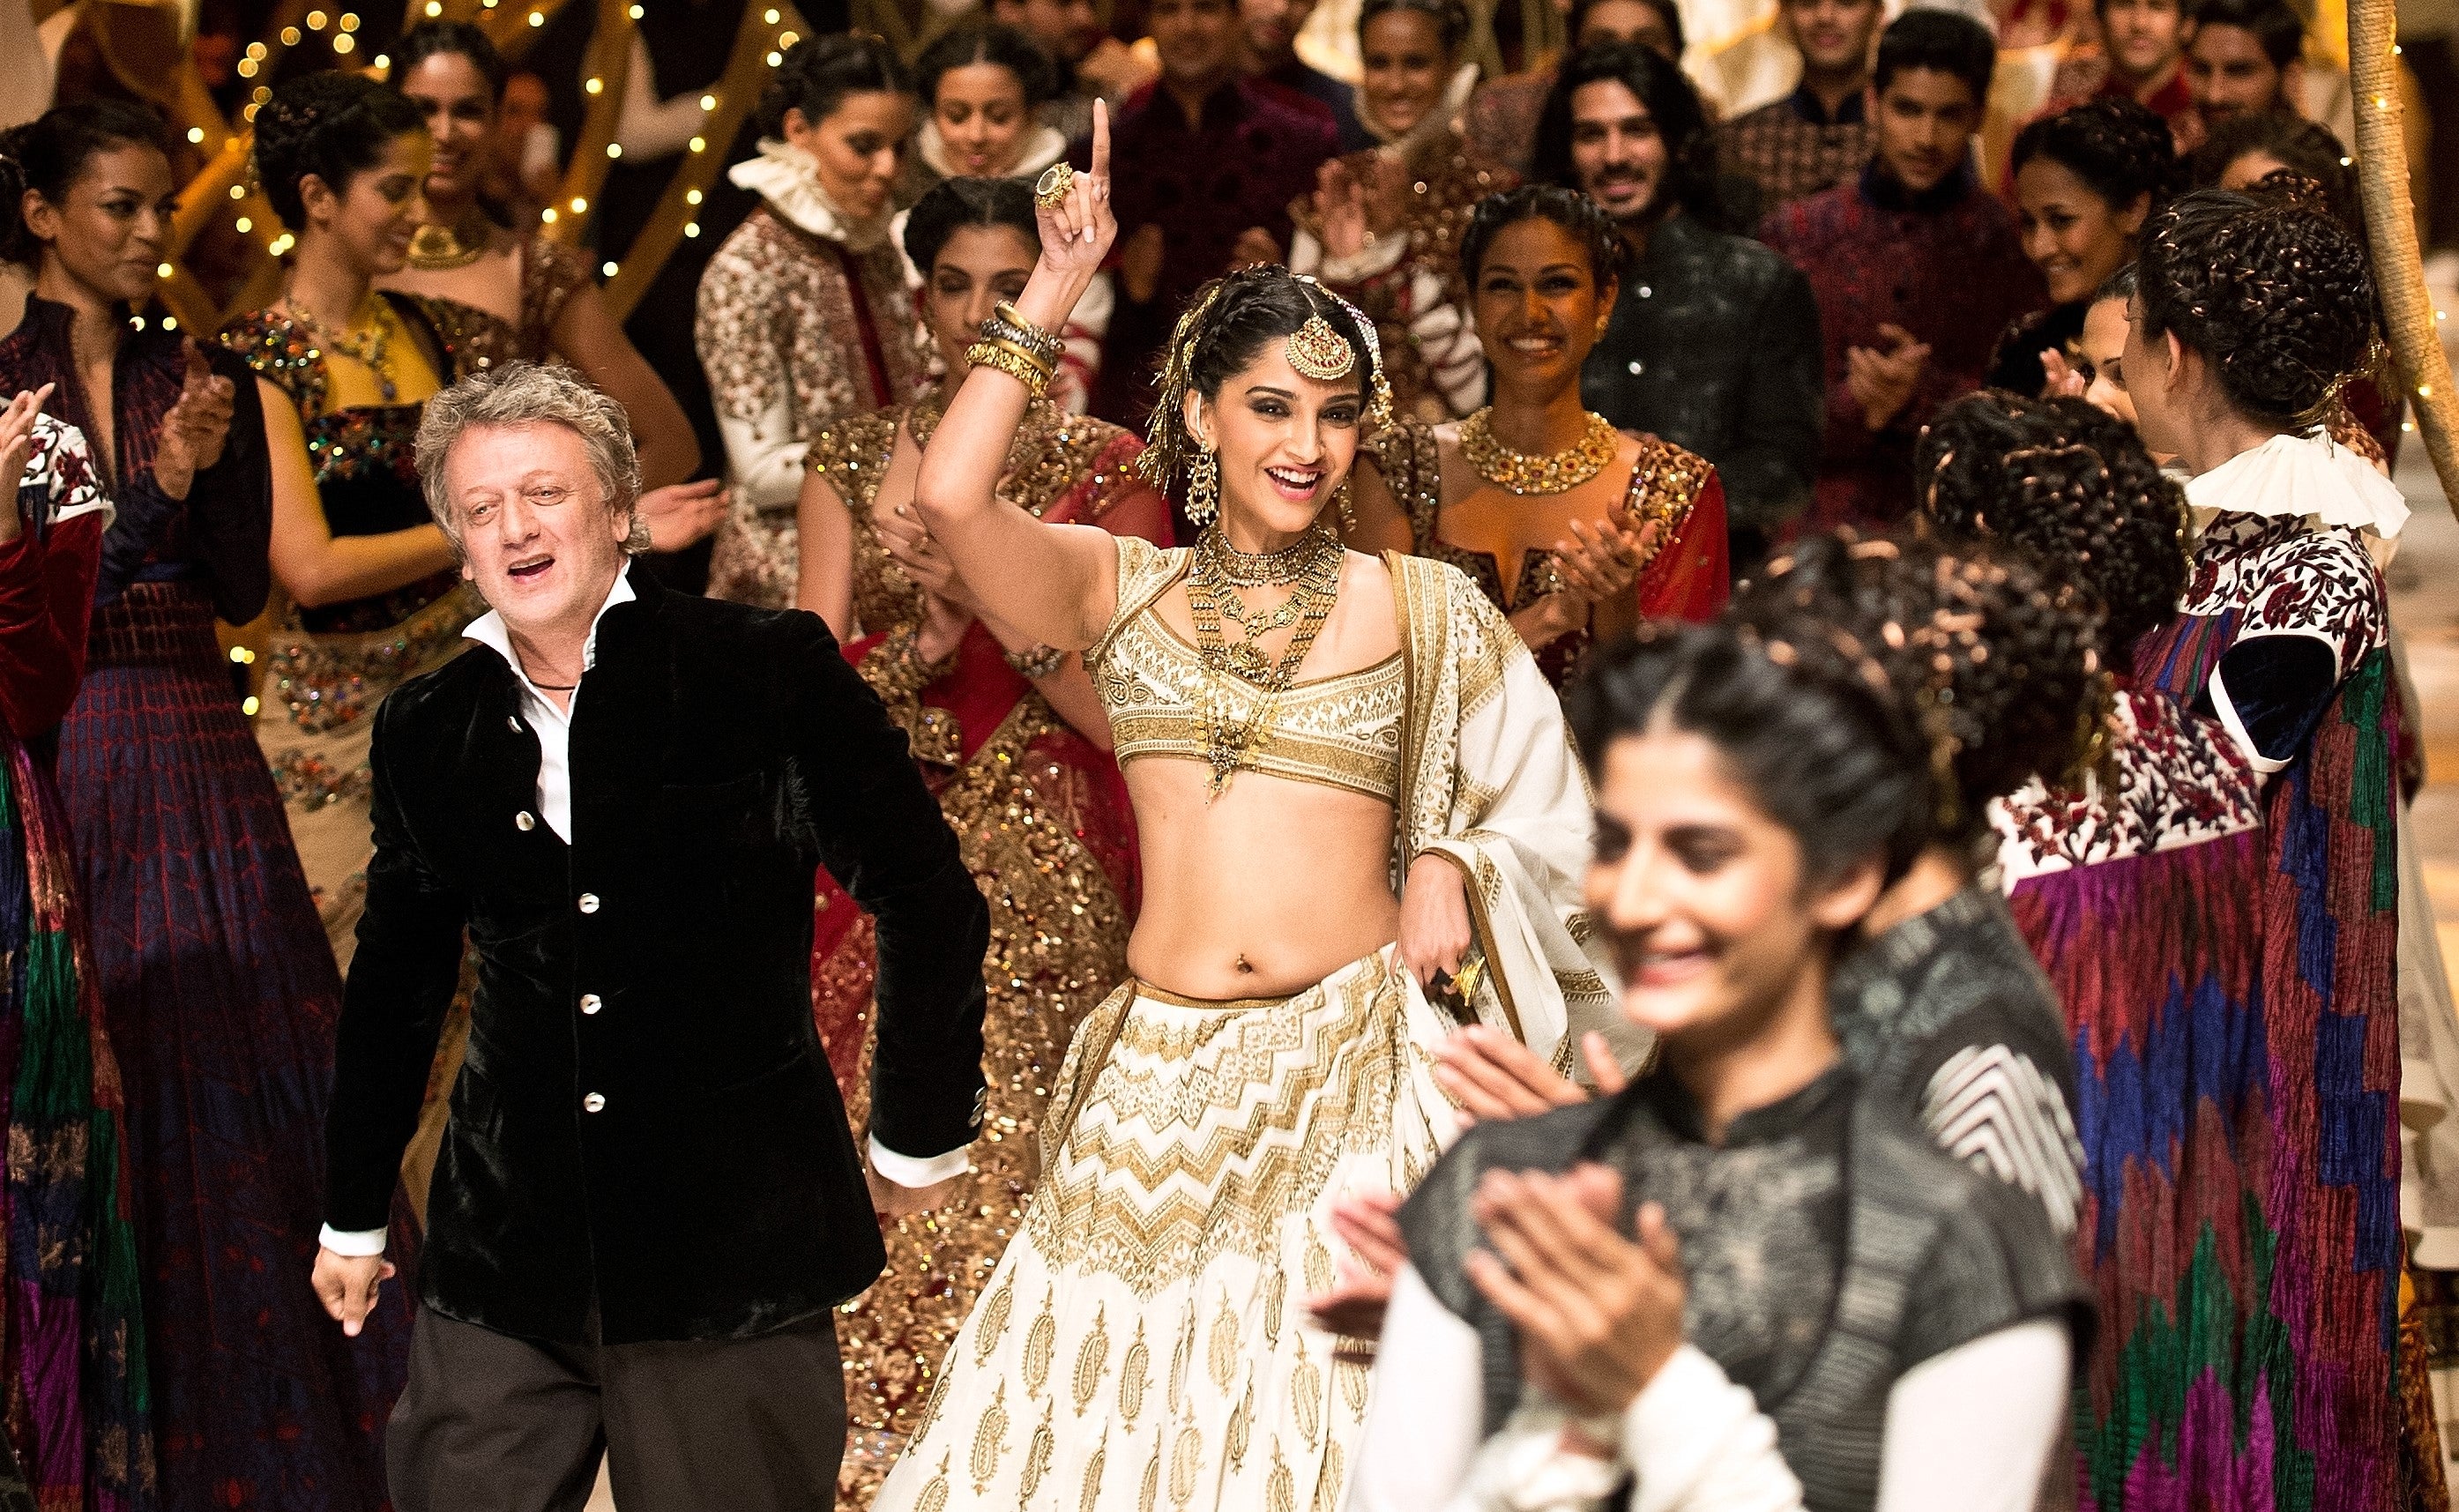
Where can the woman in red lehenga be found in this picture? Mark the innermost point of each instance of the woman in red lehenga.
(1595, 527)
(1011, 737)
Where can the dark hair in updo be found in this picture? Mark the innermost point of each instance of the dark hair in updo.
(49, 153)
(1449, 16)
(819, 73)
(1989, 666)
(951, 204)
(1672, 103)
(2275, 294)
(2069, 485)
(331, 124)
(2119, 147)
(1823, 753)
(1574, 212)
(986, 42)
(2306, 150)
(1257, 306)
(465, 39)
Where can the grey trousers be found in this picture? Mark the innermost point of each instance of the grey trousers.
(492, 1423)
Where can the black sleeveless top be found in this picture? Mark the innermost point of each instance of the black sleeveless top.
(1829, 1247)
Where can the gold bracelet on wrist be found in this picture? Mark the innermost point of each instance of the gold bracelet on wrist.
(1008, 322)
(1012, 360)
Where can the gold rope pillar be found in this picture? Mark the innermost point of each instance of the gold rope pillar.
(2422, 367)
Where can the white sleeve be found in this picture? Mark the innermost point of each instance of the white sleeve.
(1696, 1442)
(762, 456)
(646, 127)
(1972, 1430)
(1426, 1416)
(918, 1170)
(355, 1242)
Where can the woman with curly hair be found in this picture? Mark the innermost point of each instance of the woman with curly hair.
(2139, 888)
(1573, 529)
(1012, 738)
(1384, 226)
(2250, 313)
(2087, 179)
(804, 313)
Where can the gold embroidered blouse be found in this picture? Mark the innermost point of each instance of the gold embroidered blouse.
(1340, 731)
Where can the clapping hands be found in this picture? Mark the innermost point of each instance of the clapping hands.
(195, 426)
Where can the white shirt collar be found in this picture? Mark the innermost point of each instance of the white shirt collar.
(1042, 147)
(2308, 476)
(783, 178)
(488, 630)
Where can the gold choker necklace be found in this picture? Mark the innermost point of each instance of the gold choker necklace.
(438, 248)
(1526, 473)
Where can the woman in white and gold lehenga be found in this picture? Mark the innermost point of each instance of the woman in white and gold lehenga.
(1356, 805)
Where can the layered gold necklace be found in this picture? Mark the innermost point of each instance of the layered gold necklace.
(1525, 472)
(1309, 568)
(440, 248)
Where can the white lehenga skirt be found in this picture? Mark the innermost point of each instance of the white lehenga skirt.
(1143, 1345)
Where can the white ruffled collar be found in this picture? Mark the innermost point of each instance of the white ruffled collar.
(783, 178)
(1434, 123)
(1045, 146)
(2302, 476)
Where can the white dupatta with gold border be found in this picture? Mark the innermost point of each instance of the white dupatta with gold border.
(1489, 781)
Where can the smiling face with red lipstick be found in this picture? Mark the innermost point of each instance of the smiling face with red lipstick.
(1284, 442)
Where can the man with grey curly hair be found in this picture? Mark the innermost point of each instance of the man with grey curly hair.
(647, 1202)
(524, 394)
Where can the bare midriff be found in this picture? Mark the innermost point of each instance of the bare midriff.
(1270, 888)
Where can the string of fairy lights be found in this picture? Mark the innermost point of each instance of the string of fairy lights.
(226, 181)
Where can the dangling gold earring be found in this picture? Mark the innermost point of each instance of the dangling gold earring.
(1203, 486)
(1348, 515)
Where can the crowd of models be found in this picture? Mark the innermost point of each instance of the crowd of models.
(1444, 839)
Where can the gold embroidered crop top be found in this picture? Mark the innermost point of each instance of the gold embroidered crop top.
(1339, 732)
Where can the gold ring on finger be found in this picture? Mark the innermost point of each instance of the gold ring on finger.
(1050, 190)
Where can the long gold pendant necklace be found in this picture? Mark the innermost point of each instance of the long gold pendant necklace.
(1309, 568)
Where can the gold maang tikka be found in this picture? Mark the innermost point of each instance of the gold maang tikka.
(1317, 352)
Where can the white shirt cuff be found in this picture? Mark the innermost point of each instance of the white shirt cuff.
(908, 1170)
(360, 1242)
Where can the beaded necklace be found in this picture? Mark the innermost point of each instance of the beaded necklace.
(1311, 569)
(373, 349)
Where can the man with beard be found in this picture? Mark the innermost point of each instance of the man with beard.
(1819, 135)
(1713, 341)
(1092, 64)
(1204, 166)
(1916, 269)
(1500, 122)
(2142, 55)
(2249, 57)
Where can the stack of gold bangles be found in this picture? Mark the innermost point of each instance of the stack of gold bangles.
(1018, 348)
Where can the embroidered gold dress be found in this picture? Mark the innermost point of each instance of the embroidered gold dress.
(1686, 577)
(803, 319)
(329, 667)
(1142, 1344)
(1042, 819)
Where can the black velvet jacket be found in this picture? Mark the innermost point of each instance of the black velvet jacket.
(1714, 346)
(645, 1122)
